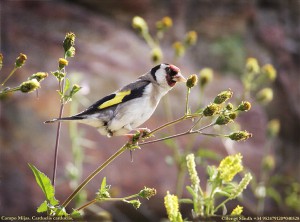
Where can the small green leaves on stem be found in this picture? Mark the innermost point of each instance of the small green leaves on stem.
(103, 190)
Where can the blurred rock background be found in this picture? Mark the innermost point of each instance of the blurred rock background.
(109, 54)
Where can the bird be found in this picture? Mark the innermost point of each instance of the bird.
(126, 109)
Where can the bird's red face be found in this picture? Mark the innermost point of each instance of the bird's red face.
(167, 74)
(173, 75)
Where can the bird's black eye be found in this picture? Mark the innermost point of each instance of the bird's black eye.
(170, 71)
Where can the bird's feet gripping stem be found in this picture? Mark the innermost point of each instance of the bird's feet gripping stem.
(142, 133)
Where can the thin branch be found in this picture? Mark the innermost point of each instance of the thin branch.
(92, 175)
(7, 78)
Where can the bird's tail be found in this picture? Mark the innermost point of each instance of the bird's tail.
(64, 119)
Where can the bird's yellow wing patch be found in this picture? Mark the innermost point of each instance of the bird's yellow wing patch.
(116, 100)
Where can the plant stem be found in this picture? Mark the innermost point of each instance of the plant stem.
(3, 92)
(87, 204)
(92, 175)
(57, 145)
(7, 78)
(187, 101)
(106, 199)
(61, 110)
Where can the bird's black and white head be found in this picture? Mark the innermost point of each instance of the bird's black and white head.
(167, 75)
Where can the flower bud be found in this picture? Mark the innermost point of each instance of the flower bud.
(238, 210)
(244, 106)
(172, 206)
(70, 52)
(240, 135)
(252, 66)
(156, 55)
(211, 109)
(69, 41)
(229, 106)
(242, 185)
(268, 162)
(265, 95)
(230, 166)
(223, 96)
(179, 49)
(269, 71)
(39, 76)
(223, 120)
(29, 86)
(147, 192)
(232, 115)
(62, 63)
(192, 81)
(191, 38)
(135, 203)
(273, 128)
(165, 23)
(205, 76)
(140, 24)
(20, 61)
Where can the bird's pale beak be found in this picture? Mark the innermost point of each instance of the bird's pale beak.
(179, 78)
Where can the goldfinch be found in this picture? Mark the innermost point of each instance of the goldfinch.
(126, 109)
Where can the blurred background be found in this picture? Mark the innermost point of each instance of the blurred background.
(110, 54)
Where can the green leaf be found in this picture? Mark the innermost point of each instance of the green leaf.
(67, 85)
(45, 184)
(43, 207)
(74, 90)
(191, 191)
(212, 172)
(75, 214)
(103, 191)
(274, 194)
(208, 154)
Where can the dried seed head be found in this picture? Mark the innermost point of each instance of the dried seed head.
(211, 109)
(20, 61)
(192, 81)
(223, 96)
